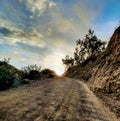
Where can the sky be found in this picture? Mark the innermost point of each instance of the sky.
(43, 32)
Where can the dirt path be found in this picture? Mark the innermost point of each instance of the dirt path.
(59, 100)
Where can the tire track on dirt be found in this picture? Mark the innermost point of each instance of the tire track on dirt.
(59, 100)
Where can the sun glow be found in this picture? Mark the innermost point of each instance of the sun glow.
(59, 72)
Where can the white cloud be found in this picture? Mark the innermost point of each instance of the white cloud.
(5, 22)
(1, 40)
(52, 4)
(39, 5)
(46, 24)
(32, 37)
(86, 12)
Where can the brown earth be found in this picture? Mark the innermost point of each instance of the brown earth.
(102, 73)
(56, 100)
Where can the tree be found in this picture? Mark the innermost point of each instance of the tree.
(89, 46)
(68, 61)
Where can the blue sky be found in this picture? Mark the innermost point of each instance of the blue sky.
(42, 32)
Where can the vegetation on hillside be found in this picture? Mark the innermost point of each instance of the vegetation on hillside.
(6, 78)
(8, 74)
(48, 73)
(13, 77)
(34, 72)
(89, 46)
(31, 72)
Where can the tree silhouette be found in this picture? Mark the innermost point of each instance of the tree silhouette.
(29, 68)
(89, 46)
(68, 61)
(31, 71)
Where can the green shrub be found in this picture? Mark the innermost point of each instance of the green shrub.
(6, 78)
(33, 75)
(31, 72)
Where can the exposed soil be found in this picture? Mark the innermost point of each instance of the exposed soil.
(56, 100)
(112, 101)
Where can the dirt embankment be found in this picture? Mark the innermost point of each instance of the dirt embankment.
(57, 100)
(102, 73)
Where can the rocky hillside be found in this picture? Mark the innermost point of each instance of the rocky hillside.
(107, 76)
(102, 74)
(103, 71)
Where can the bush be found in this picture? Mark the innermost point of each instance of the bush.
(6, 78)
(31, 72)
(33, 75)
(29, 68)
(47, 73)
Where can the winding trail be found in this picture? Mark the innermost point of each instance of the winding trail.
(57, 100)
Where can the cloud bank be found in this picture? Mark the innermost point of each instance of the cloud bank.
(44, 31)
